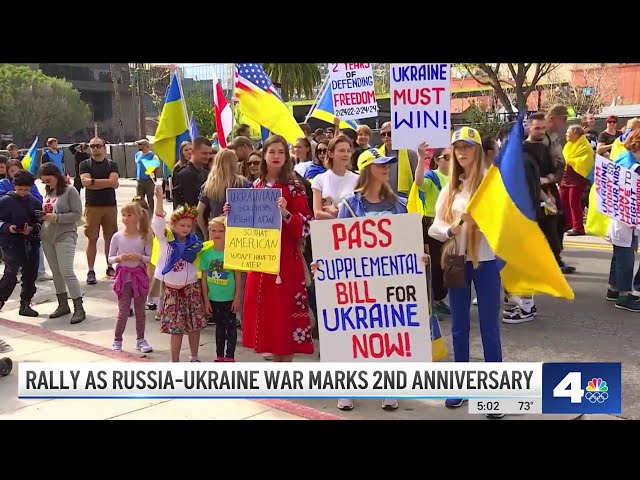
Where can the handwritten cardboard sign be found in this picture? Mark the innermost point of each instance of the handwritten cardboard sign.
(371, 289)
(353, 90)
(617, 191)
(420, 105)
(252, 239)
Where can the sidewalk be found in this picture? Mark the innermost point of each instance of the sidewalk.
(38, 347)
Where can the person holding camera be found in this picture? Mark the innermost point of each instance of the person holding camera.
(62, 209)
(20, 222)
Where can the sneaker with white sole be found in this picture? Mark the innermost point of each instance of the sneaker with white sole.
(5, 347)
(345, 404)
(117, 346)
(510, 310)
(494, 415)
(518, 315)
(389, 404)
(143, 346)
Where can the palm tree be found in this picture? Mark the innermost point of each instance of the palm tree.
(296, 79)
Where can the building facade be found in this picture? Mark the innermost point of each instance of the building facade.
(113, 114)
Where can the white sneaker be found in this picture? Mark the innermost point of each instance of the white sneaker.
(345, 404)
(389, 404)
(43, 277)
(267, 356)
(5, 347)
(143, 346)
(475, 301)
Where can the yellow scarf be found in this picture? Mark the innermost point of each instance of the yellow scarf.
(155, 250)
(579, 155)
(405, 175)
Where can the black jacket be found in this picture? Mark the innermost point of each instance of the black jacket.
(187, 183)
(19, 211)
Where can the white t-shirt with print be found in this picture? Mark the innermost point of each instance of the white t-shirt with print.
(335, 188)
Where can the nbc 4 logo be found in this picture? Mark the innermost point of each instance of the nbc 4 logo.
(571, 387)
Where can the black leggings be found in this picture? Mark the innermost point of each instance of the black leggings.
(226, 330)
(435, 251)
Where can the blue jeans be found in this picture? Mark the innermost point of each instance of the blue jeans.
(621, 270)
(486, 280)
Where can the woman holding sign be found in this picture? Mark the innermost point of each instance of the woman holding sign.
(276, 309)
(466, 242)
(373, 196)
(625, 240)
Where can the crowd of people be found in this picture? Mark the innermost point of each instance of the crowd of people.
(172, 260)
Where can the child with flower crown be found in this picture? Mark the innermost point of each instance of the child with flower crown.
(182, 312)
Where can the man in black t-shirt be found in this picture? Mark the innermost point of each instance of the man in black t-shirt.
(608, 136)
(99, 177)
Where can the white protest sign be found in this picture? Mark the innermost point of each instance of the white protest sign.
(371, 289)
(352, 90)
(617, 191)
(420, 105)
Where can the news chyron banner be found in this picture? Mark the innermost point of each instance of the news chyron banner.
(352, 90)
(509, 388)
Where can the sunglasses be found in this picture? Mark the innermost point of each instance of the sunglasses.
(321, 150)
(385, 134)
(446, 157)
(253, 164)
(96, 145)
(612, 121)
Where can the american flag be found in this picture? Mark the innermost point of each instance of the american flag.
(251, 76)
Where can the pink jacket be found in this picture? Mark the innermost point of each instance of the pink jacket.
(139, 280)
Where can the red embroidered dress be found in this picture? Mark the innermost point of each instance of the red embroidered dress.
(275, 316)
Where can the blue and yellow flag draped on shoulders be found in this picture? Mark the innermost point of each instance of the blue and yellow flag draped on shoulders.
(30, 161)
(506, 215)
(173, 127)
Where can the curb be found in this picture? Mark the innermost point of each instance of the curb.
(283, 405)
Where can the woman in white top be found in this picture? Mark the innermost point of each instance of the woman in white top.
(337, 183)
(455, 226)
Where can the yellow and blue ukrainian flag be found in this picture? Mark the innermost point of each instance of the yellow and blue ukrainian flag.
(30, 161)
(172, 128)
(506, 215)
(324, 110)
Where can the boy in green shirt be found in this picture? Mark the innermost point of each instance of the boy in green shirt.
(222, 287)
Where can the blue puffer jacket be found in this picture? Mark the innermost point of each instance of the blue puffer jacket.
(6, 186)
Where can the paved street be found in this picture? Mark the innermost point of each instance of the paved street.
(588, 329)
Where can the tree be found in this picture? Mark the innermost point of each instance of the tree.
(522, 83)
(199, 104)
(480, 119)
(295, 79)
(591, 89)
(34, 104)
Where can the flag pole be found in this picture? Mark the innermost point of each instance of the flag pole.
(184, 103)
(325, 84)
(233, 100)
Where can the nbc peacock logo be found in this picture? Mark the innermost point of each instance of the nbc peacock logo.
(597, 391)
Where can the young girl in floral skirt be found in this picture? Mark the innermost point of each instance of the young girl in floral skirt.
(182, 312)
